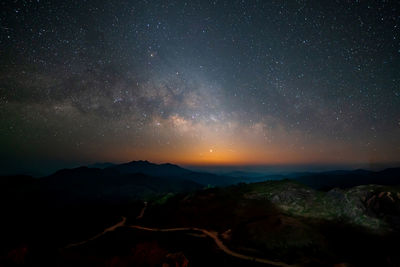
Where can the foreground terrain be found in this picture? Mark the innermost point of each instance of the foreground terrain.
(286, 220)
(179, 222)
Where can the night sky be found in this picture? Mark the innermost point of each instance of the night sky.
(199, 82)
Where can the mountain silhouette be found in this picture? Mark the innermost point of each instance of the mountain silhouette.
(168, 170)
(84, 182)
(148, 168)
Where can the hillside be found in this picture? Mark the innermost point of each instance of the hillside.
(279, 220)
(110, 183)
(287, 220)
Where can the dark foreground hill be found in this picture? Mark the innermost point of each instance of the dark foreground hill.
(72, 204)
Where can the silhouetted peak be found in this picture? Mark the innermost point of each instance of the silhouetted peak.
(149, 168)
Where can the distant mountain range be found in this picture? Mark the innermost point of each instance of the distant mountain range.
(148, 168)
(141, 179)
(111, 182)
(170, 171)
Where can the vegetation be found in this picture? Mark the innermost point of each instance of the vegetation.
(281, 220)
(287, 220)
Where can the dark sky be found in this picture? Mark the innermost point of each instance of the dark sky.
(199, 82)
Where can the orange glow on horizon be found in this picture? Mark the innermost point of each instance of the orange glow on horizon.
(222, 155)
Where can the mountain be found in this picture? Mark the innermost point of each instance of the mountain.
(148, 168)
(84, 182)
(347, 179)
(101, 165)
(88, 185)
(172, 171)
(135, 180)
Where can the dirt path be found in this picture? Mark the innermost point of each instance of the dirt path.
(109, 229)
(220, 244)
(213, 235)
(140, 216)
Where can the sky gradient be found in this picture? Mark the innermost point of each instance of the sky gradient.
(199, 82)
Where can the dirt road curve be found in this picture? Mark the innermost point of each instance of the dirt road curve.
(220, 244)
(213, 235)
(140, 216)
(109, 229)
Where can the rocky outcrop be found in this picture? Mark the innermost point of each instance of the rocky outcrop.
(372, 206)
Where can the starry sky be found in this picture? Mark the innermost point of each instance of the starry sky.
(199, 82)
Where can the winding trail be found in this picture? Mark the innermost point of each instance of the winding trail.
(213, 235)
(140, 216)
(220, 244)
(109, 229)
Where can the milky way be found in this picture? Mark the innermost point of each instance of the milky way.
(199, 82)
